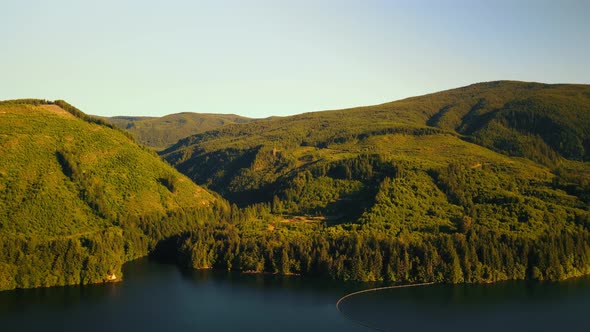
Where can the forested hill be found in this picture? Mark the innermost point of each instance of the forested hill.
(483, 183)
(78, 198)
(538, 121)
(547, 124)
(478, 184)
(162, 132)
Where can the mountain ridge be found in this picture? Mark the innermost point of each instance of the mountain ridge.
(161, 132)
(446, 110)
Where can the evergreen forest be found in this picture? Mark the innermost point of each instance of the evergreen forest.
(478, 184)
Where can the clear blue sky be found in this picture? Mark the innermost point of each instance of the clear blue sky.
(262, 58)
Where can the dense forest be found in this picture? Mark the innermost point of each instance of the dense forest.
(490, 180)
(479, 184)
(412, 233)
(365, 254)
(38, 260)
(76, 195)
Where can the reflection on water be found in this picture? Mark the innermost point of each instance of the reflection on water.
(158, 297)
(507, 306)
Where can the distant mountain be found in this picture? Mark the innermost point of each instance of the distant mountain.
(162, 132)
(78, 198)
(548, 124)
(477, 184)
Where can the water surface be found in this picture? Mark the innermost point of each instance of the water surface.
(158, 297)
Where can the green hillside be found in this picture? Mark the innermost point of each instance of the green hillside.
(162, 132)
(478, 184)
(482, 183)
(78, 198)
(547, 124)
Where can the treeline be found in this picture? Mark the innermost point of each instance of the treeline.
(246, 242)
(352, 136)
(35, 102)
(93, 257)
(364, 255)
(81, 115)
(70, 109)
(89, 118)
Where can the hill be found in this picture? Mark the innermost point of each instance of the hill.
(482, 183)
(162, 132)
(478, 184)
(547, 124)
(78, 198)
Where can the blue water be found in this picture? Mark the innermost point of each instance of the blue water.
(158, 297)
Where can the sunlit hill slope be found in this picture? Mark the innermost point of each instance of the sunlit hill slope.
(77, 197)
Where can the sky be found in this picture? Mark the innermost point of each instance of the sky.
(261, 58)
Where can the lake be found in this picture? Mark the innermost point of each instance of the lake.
(160, 297)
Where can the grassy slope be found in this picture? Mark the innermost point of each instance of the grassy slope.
(62, 179)
(161, 132)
